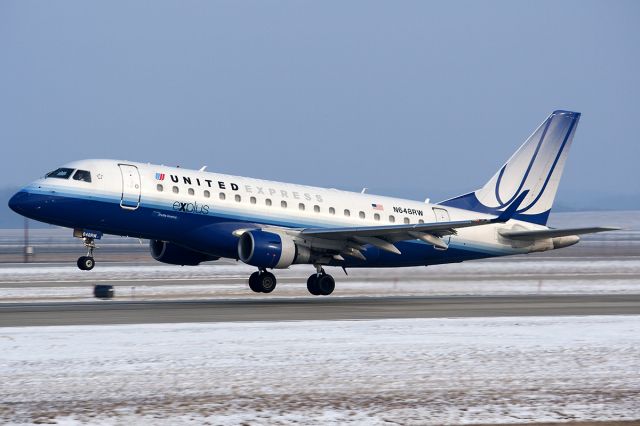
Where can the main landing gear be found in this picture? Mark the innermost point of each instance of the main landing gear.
(86, 263)
(321, 283)
(318, 284)
(262, 281)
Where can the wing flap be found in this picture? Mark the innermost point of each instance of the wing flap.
(552, 233)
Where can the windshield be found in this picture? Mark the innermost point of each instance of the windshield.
(61, 173)
(82, 175)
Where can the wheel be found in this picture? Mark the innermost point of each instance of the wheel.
(312, 284)
(326, 284)
(86, 263)
(267, 282)
(254, 283)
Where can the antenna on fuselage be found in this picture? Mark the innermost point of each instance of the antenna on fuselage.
(426, 200)
(364, 190)
(203, 168)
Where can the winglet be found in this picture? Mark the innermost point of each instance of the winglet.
(511, 210)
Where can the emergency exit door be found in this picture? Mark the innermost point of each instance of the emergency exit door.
(442, 215)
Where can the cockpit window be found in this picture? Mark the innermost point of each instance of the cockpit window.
(61, 173)
(82, 175)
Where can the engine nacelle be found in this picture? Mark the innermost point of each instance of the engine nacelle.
(271, 249)
(165, 252)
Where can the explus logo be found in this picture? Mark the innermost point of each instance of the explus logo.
(191, 207)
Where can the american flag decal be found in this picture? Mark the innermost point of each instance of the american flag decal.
(377, 206)
(159, 176)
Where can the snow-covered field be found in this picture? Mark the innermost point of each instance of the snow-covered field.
(224, 280)
(416, 371)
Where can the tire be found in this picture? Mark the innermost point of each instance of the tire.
(254, 282)
(80, 263)
(326, 284)
(267, 282)
(312, 285)
(86, 263)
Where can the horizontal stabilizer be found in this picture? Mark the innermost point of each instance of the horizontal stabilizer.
(551, 233)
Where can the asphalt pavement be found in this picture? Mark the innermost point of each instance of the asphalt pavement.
(312, 308)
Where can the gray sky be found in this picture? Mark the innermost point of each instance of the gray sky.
(414, 99)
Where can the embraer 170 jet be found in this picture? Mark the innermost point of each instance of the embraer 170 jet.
(193, 216)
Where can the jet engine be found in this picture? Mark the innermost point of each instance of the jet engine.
(165, 252)
(271, 249)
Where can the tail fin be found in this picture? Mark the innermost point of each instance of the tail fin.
(535, 167)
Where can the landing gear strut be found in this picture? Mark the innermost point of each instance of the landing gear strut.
(262, 281)
(86, 263)
(321, 283)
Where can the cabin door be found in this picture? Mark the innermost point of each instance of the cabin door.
(130, 199)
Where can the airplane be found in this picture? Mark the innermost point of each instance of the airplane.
(195, 216)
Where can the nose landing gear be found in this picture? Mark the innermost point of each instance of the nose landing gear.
(86, 263)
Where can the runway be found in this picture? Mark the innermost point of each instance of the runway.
(344, 308)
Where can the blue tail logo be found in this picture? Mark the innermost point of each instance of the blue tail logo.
(535, 167)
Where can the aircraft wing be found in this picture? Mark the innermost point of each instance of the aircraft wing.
(552, 233)
(383, 237)
(438, 228)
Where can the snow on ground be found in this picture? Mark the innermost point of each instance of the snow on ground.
(515, 267)
(416, 371)
(350, 288)
(142, 282)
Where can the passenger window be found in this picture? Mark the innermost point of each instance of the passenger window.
(376, 216)
(252, 200)
(316, 209)
(82, 175)
(238, 198)
(332, 210)
(175, 190)
(421, 221)
(191, 191)
(61, 173)
(283, 204)
(406, 220)
(159, 187)
(362, 215)
(347, 213)
(222, 196)
(301, 207)
(268, 201)
(207, 194)
(392, 219)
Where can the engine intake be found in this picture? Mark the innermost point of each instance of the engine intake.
(271, 249)
(172, 254)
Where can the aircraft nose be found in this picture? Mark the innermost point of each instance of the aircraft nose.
(18, 202)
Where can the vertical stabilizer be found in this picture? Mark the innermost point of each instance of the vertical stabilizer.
(535, 167)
